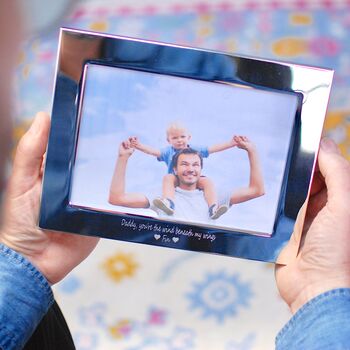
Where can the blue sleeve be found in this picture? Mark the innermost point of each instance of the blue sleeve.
(322, 323)
(203, 150)
(25, 297)
(164, 154)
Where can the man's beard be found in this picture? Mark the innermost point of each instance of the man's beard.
(184, 178)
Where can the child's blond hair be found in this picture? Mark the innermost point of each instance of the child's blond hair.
(175, 126)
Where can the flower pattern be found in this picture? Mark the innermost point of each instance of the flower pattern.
(220, 295)
(120, 266)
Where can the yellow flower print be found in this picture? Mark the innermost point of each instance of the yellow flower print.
(302, 19)
(290, 47)
(337, 127)
(26, 71)
(120, 266)
(205, 31)
(206, 17)
(100, 26)
(334, 119)
(21, 57)
(121, 329)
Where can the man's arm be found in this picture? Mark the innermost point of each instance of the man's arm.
(222, 146)
(135, 143)
(117, 194)
(256, 183)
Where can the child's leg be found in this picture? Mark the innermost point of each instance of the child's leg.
(169, 184)
(166, 203)
(207, 186)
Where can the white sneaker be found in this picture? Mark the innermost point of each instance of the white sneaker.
(165, 204)
(215, 211)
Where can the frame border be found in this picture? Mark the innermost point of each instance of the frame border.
(310, 83)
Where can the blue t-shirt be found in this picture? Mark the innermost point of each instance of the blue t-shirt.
(167, 154)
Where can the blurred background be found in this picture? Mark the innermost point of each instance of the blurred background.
(134, 297)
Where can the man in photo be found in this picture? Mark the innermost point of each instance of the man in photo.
(178, 138)
(189, 200)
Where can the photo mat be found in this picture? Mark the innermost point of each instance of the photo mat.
(119, 103)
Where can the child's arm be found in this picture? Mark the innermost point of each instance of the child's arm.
(135, 143)
(222, 146)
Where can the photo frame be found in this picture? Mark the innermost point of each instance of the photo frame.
(180, 147)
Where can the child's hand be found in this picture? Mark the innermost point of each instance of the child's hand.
(233, 142)
(134, 142)
(243, 142)
(125, 149)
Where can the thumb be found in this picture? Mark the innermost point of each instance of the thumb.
(29, 155)
(336, 171)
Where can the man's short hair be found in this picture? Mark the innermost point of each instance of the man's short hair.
(187, 150)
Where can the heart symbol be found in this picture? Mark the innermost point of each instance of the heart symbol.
(175, 239)
(156, 236)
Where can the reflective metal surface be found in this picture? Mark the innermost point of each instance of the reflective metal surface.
(77, 47)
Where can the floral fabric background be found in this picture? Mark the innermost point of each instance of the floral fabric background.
(135, 297)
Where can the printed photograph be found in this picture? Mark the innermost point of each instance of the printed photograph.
(183, 150)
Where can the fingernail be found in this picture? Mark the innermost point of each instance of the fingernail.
(329, 145)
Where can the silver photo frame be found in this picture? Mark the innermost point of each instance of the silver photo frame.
(180, 147)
